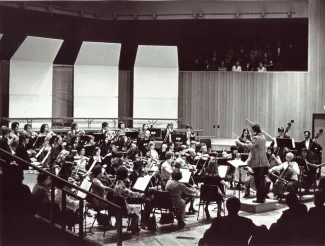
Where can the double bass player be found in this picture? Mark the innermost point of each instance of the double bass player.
(257, 160)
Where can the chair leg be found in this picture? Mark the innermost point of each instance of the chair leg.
(93, 224)
(198, 212)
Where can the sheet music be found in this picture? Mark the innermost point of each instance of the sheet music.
(222, 170)
(237, 163)
(186, 175)
(142, 183)
(86, 186)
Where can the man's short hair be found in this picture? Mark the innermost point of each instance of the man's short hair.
(233, 205)
(104, 124)
(307, 132)
(256, 128)
(169, 155)
(14, 125)
(281, 129)
(5, 131)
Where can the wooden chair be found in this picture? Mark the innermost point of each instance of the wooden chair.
(208, 193)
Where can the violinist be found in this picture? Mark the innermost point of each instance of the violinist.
(133, 152)
(101, 190)
(143, 130)
(32, 137)
(244, 137)
(166, 168)
(74, 132)
(95, 159)
(45, 131)
(291, 172)
(163, 152)
(167, 133)
(152, 153)
(73, 144)
(22, 153)
(191, 158)
(56, 148)
(81, 159)
(170, 147)
(136, 173)
(179, 159)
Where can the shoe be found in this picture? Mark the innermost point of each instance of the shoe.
(258, 201)
(246, 196)
(181, 224)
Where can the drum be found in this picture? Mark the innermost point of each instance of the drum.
(240, 175)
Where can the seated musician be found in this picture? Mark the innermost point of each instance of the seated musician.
(136, 173)
(133, 152)
(122, 128)
(152, 153)
(189, 135)
(101, 190)
(22, 153)
(121, 190)
(56, 148)
(176, 189)
(306, 160)
(91, 141)
(191, 158)
(15, 131)
(234, 155)
(163, 152)
(211, 177)
(292, 171)
(74, 132)
(178, 158)
(107, 132)
(167, 133)
(143, 130)
(170, 147)
(72, 205)
(28, 131)
(95, 159)
(73, 143)
(42, 195)
(4, 145)
(166, 168)
(45, 131)
(82, 159)
(245, 136)
(282, 149)
(203, 149)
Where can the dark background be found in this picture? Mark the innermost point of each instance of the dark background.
(193, 37)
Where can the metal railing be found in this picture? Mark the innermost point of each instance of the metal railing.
(267, 136)
(116, 210)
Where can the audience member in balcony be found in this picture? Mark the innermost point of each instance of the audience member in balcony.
(230, 54)
(279, 58)
(248, 67)
(268, 51)
(242, 56)
(206, 65)
(261, 68)
(222, 67)
(213, 62)
(290, 58)
(237, 67)
(267, 62)
(255, 55)
(42, 195)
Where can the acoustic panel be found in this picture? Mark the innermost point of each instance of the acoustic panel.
(156, 82)
(38, 50)
(99, 54)
(157, 56)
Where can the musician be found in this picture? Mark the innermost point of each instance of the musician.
(74, 132)
(45, 131)
(22, 153)
(234, 153)
(166, 168)
(167, 133)
(179, 159)
(28, 131)
(73, 143)
(133, 152)
(244, 137)
(282, 150)
(274, 160)
(310, 172)
(163, 152)
(257, 160)
(143, 130)
(310, 145)
(211, 177)
(96, 158)
(292, 169)
(122, 128)
(101, 190)
(204, 149)
(56, 148)
(170, 147)
(82, 159)
(176, 189)
(191, 158)
(189, 135)
(4, 144)
(42, 195)
(137, 172)
(152, 153)
(15, 130)
(121, 190)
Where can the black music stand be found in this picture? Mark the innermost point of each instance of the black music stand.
(155, 133)
(89, 150)
(99, 137)
(284, 142)
(299, 146)
(132, 135)
(39, 141)
(244, 157)
(84, 139)
(178, 138)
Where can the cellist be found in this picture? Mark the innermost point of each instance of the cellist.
(290, 174)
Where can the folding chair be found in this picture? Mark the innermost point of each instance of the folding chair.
(208, 193)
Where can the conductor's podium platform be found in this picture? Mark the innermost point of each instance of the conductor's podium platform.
(248, 205)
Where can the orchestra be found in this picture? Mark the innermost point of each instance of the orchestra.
(115, 162)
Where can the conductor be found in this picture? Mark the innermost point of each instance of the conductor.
(257, 160)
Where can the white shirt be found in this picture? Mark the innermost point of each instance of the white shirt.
(263, 69)
(236, 69)
(284, 166)
(307, 143)
(166, 170)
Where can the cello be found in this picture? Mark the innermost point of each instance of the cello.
(281, 183)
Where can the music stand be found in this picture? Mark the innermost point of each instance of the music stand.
(178, 138)
(238, 164)
(39, 141)
(155, 132)
(142, 183)
(284, 142)
(299, 146)
(99, 137)
(89, 150)
(84, 139)
(132, 135)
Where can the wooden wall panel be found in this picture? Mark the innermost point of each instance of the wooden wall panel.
(227, 98)
(62, 91)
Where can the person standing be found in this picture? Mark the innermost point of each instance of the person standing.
(257, 160)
